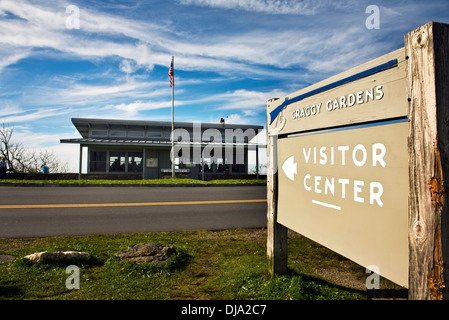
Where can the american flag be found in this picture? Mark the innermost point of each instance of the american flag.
(171, 74)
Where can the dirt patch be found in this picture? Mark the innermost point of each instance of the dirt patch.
(342, 278)
(251, 234)
(13, 244)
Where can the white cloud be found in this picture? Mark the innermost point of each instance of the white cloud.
(127, 66)
(245, 100)
(134, 108)
(34, 115)
(9, 108)
(67, 154)
(30, 139)
(233, 118)
(148, 44)
(306, 8)
(87, 96)
(12, 56)
(44, 27)
(141, 43)
(87, 91)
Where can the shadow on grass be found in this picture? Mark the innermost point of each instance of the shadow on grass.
(10, 291)
(293, 286)
(317, 288)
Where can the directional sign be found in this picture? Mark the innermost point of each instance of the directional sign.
(370, 92)
(348, 190)
(290, 168)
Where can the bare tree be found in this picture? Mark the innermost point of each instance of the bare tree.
(50, 159)
(14, 153)
(19, 159)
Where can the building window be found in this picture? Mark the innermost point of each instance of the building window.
(207, 164)
(117, 161)
(239, 168)
(135, 161)
(97, 161)
(221, 167)
(99, 133)
(136, 134)
(239, 159)
(118, 133)
(154, 134)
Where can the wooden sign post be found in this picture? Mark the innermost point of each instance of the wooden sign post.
(427, 51)
(276, 232)
(358, 163)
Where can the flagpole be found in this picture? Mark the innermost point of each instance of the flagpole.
(173, 119)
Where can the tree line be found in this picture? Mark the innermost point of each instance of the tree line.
(22, 160)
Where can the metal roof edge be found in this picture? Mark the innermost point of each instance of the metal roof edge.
(86, 121)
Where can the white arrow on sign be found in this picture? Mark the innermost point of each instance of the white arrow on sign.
(290, 168)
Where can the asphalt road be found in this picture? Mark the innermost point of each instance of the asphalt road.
(57, 211)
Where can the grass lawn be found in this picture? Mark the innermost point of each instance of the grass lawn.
(136, 182)
(210, 265)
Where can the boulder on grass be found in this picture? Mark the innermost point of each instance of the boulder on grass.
(148, 252)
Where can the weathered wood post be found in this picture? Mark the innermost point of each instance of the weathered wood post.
(276, 233)
(427, 69)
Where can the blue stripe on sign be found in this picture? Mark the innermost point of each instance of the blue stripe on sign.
(388, 65)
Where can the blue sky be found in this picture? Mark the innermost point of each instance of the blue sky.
(231, 56)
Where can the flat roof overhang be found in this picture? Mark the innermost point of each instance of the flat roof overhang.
(83, 124)
(150, 143)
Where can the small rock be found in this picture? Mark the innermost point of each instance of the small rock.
(148, 252)
(59, 256)
(5, 257)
